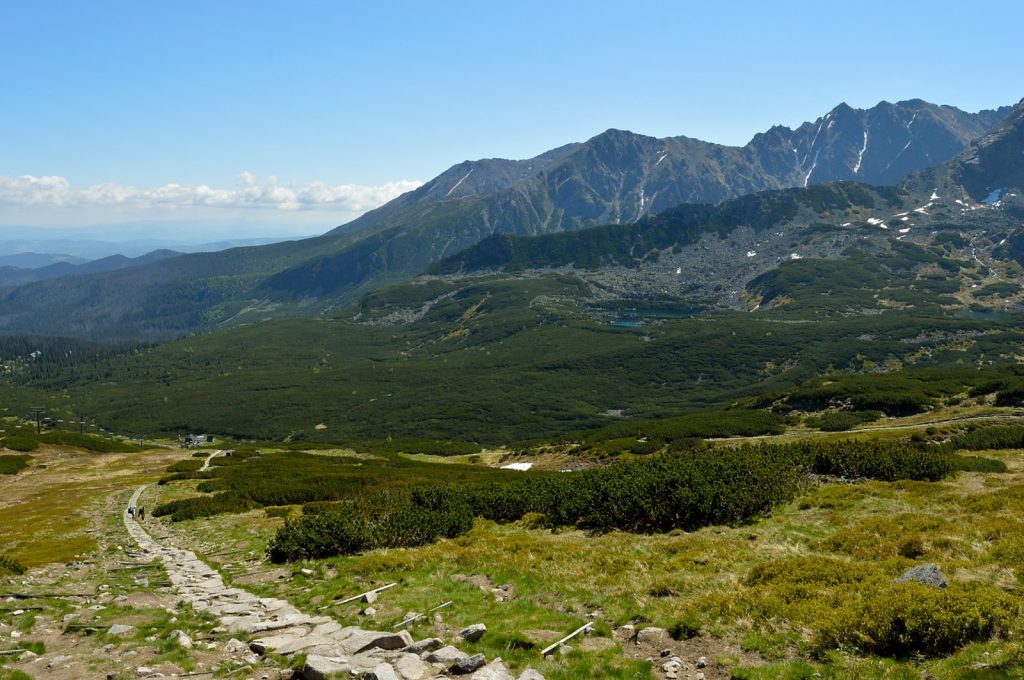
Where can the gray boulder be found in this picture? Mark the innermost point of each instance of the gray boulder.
(446, 655)
(322, 667)
(530, 674)
(467, 665)
(383, 671)
(928, 574)
(495, 670)
(427, 645)
(120, 629)
(472, 633)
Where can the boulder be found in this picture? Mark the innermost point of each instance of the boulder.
(322, 667)
(652, 636)
(235, 646)
(120, 629)
(467, 665)
(928, 574)
(411, 667)
(383, 671)
(183, 640)
(472, 633)
(427, 645)
(368, 639)
(446, 656)
(495, 670)
(530, 674)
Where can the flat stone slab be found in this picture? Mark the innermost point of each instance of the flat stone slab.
(369, 639)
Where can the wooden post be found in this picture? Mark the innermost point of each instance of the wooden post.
(549, 649)
(375, 590)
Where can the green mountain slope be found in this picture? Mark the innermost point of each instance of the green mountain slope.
(616, 177)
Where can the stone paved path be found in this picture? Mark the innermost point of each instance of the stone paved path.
(280, 627)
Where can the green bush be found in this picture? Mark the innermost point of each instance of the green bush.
(382, 522)
(12, 464)
(20, 442)
(986, 438)
(902, 619)
(978, 464)
(9, 565)
(188, 465)
(204, 506)
(89, 442)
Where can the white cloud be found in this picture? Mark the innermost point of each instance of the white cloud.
(249, 192)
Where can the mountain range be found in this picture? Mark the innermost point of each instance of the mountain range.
(616, 177)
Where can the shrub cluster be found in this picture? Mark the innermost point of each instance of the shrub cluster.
(204, 506)
(674, 490)
(384, 521)
(9, 565)
(20, 442)
(902, 619)
(987, 438)
(12, 464)
(978, 464)
(882, 460)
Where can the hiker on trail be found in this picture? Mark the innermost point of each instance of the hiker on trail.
(142, 513)
(131, 511)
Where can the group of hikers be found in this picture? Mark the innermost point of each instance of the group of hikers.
(137, 513)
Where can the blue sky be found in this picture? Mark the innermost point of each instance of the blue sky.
(298, 116)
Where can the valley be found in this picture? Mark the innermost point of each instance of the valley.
(714, 434)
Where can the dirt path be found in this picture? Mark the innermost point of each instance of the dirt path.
(206, 463)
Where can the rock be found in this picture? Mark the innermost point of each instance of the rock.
(369, 598)
(383, 671)
(120, 629)
(369, 611)
(928, 574)
(58, 660)
(495, 670)
(329, 628)
(184, 641)
(321, 667)
(411, 667)
(427, 645)
(702, 662)
(306, 572)
(652, 636)
(671, 666)
(235, 646)
(467, 665)
(446, 655)
(699, 676)
(530, 674)
(27, 655)
(472, 633)
(143, 671)
(627, 631)
(362, 640)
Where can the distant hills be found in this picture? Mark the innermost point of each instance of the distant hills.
(19, 275)
(616, 177)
